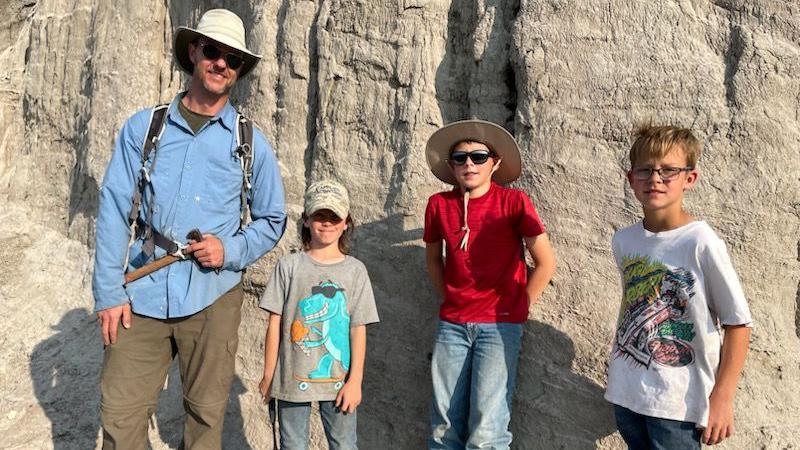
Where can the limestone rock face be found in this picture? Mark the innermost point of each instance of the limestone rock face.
(352, 89)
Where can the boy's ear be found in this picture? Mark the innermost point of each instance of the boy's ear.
(691, 179)
(496, 165)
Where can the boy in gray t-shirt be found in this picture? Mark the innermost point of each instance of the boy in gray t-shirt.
(320, 301)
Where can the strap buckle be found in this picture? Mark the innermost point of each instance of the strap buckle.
(179, 248)
(145, 173)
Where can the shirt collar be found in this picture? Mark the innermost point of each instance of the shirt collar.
(226, 116)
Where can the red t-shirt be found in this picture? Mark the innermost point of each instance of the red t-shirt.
(486, 283)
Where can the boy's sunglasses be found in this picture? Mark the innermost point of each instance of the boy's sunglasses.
(213, 53)
(459, 158)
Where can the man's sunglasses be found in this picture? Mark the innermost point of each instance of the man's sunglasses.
(459, 158)
(213, 53)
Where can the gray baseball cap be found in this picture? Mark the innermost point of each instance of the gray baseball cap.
(327, 194)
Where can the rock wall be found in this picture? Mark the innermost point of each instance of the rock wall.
(352, 89)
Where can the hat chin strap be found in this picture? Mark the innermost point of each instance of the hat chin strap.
(465, 228)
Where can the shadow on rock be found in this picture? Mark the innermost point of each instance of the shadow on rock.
(397, 387)
(555, 408)
(170, 415)
(65, 369)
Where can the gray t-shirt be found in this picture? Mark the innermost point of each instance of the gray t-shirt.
(318, 304)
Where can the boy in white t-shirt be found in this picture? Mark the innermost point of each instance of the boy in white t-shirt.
(670, 384)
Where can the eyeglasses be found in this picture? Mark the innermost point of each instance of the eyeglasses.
(327, 291)
(665, 173)
(459, 158)
(213, 53)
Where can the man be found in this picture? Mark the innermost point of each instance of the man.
(192, 307)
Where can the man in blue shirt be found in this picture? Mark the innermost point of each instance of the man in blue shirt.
(192, 307)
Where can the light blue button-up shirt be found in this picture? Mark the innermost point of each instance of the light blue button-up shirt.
(197, 182)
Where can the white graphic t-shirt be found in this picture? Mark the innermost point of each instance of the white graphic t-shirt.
(679, 288)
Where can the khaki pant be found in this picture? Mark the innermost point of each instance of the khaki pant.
(134, 370)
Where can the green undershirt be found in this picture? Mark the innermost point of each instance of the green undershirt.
(194, 120)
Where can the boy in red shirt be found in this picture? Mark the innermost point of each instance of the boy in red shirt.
(483, 281)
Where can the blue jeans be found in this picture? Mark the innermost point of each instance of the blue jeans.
(340, 428)
(473, 370)
(642, 432)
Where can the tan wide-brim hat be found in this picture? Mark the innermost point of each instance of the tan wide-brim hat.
(219, 25)
(437, 151)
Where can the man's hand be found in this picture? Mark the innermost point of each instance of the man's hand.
(209, 252)
(109, 322)
(349, 397)
(720, 420)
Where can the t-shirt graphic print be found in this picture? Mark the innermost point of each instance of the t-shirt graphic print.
(679, 289)
(654, 326)
(321, 333)
(319, 303)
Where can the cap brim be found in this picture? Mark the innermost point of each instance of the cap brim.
(185, 35)
(437, 151)
(340, 213)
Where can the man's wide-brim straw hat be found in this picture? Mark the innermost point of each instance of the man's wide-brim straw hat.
(219, 25)
(441, 143)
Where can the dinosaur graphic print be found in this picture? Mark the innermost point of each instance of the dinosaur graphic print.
(653, 326)
(323, 323)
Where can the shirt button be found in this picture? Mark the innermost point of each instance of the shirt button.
(188, 166)
(183, 197)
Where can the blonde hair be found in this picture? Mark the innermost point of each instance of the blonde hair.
(657, 141)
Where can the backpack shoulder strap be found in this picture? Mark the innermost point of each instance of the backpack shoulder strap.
(158, 118)
(244, 150)
(155, 128)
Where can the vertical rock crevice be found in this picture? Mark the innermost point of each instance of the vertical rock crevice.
(733, 57)
(312, 95)
(477, 78)
(797, 301)
(84, 188)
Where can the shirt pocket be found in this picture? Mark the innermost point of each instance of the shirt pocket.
(221, 186)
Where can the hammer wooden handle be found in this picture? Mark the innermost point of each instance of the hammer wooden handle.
(147, 269)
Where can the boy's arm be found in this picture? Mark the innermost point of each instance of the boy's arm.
(271, 344)
(435, 264)
(544, 261)
(720, 417)
(349, 396)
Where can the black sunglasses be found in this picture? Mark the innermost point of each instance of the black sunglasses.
(459, 158)
(328, 291)
(213, 53)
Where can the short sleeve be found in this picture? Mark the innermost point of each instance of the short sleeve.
(617, 253)
(364, 311)
(433, 229)
(723, 290)
(529, 224)
(274, 295)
